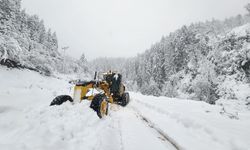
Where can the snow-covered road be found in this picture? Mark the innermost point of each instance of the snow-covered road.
(27, 122)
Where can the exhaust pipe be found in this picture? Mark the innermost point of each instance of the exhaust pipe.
(95, 75)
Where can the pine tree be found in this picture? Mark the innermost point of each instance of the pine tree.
(42, 32)
(54, 41)
(33, 25)
(82, 62)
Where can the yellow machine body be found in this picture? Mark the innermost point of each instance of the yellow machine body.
(81, 91)
(110, 89)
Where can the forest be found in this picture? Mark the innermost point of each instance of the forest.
(204, 61)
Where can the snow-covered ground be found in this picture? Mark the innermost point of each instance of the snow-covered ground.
(27, 122)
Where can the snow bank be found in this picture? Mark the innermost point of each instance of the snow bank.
(27, 122)
(196, 125)
(21, 93)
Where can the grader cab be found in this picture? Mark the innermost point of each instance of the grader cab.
(100, 92)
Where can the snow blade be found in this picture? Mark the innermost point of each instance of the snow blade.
(61, 99)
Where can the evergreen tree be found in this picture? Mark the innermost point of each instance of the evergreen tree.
(42, 32)
(54, 41)
(83, 64)
(33, 25)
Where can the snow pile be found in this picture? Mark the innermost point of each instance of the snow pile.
(23, 94)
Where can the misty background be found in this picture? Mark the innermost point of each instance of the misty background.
(123, 28)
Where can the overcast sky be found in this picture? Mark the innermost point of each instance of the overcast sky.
(123, 28)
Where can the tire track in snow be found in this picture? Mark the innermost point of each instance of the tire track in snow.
(163, 136)
(117, 120)
(120, 134)
(134, 134)
(111, 131)
(185, 122)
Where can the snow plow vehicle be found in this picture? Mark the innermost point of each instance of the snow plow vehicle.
(109, 89)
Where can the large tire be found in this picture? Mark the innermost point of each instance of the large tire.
(10, 63)
(100, 105)
(61, 99)
(125, 99)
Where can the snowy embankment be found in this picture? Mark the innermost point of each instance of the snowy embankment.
(27, 122)
(195, 124)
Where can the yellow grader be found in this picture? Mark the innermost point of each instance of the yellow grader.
(109, 89)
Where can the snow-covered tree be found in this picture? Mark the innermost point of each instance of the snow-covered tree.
(83, 66)
(248, 8)
(205, 83)
(33, 25)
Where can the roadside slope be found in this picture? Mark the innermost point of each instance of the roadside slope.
(195, 124)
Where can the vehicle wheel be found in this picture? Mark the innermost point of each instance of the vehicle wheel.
(61, 99)
(100, 105)
(125, 99)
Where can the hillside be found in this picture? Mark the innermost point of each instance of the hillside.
(191, 63)
(25, 42)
